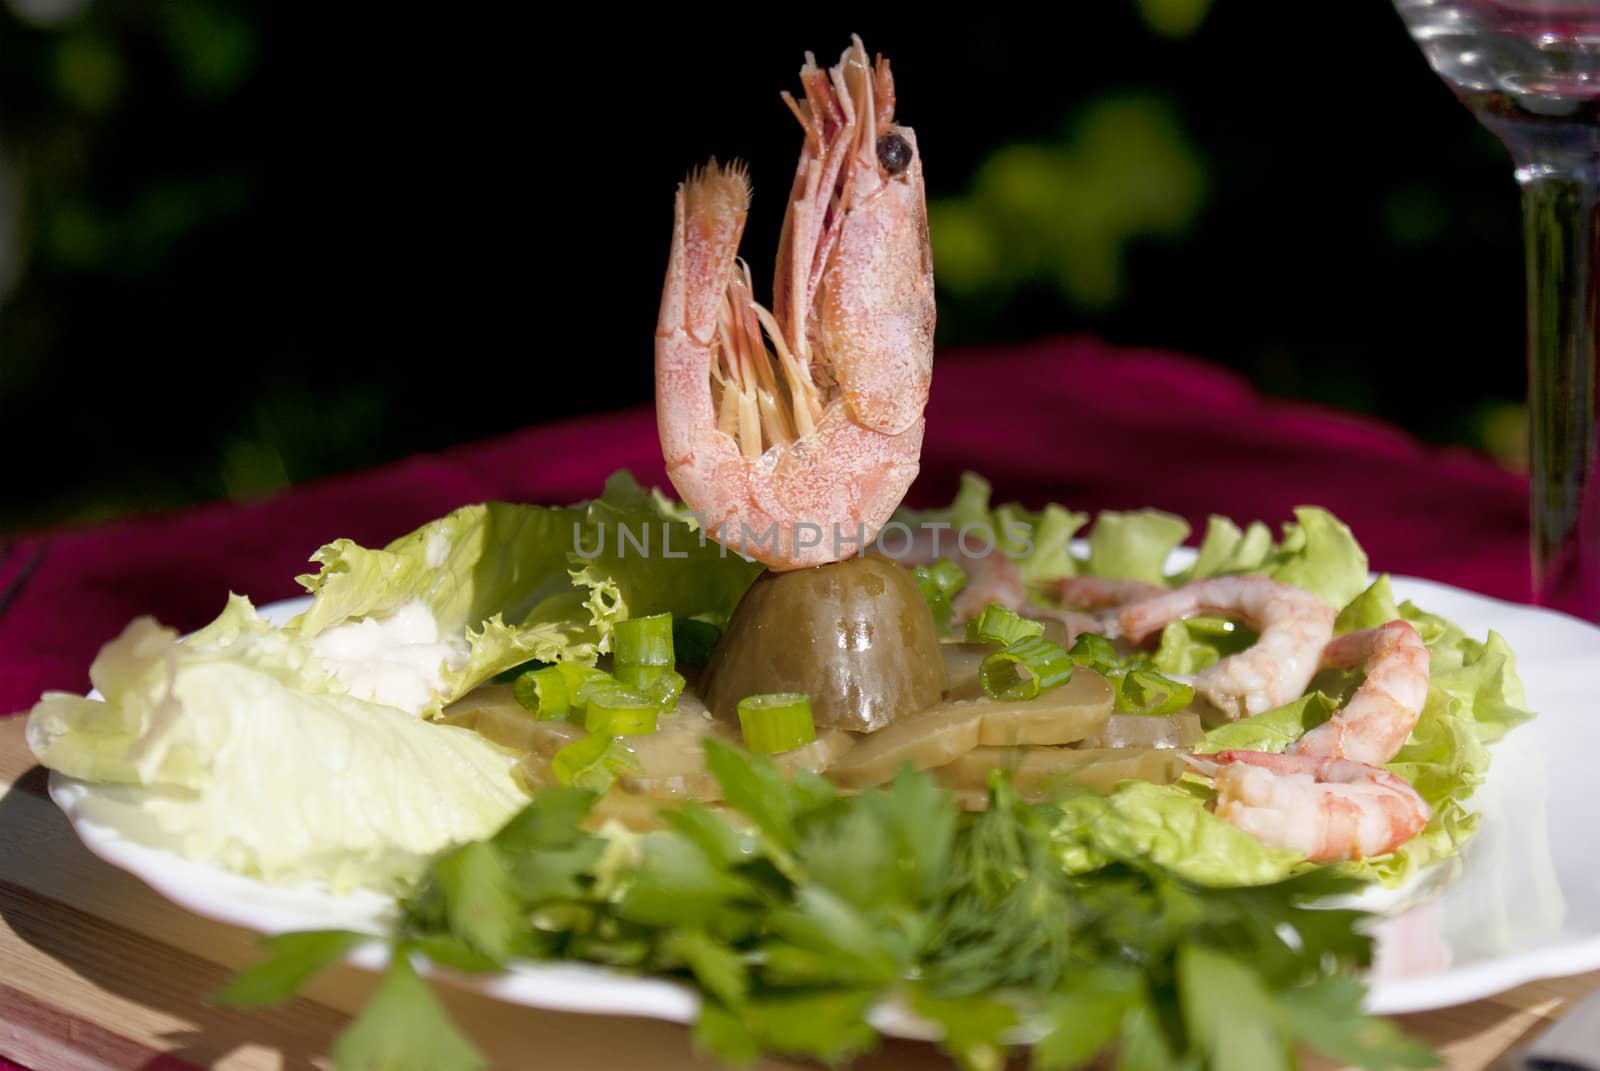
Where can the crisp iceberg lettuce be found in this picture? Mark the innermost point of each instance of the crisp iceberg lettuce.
(296, 752)
(232, 746)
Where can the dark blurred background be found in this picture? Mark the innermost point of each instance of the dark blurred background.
(246, 245)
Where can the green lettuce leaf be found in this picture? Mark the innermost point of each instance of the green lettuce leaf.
(1134, 545)
(1272, 730)
(1226, 549)
(1169, 825)
(231, 747)
(1319, 554)
(1038, 541)
(1474, 697)
(510, 584)
(641, 555)
(493, 576)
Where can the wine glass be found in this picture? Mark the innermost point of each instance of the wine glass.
(1530, 71)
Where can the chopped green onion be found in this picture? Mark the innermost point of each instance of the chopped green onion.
(663, 684)
(581, 681)
(620, 711)
(949, 576)
(592, 762)
(999, 625)
(939, 583)
(693, 641)
(1144, 691)
(778, 721)
(1024, 668)
(544, 692)
(643, 641)
(1138, 689)
(1094, 652)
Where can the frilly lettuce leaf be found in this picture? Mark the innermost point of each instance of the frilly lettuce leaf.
(1038, 541)
(641, 555)
(1134, 546)
(1316, 551)
(1319, 554)
(1227, 549)
(1474, 696)
(229, 746)
(1167, 824)
(518, 583)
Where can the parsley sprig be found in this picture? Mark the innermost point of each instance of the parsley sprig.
(798, 911)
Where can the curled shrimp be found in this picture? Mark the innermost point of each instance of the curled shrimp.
(795, 432)
(1374, 724)
(1293, 625)
(1325, 808)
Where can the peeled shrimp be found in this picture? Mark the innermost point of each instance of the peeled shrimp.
(1375, 723)
(1325, 808)
(1293, 625)
(794, 433)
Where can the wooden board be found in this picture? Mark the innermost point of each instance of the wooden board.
(98, 971)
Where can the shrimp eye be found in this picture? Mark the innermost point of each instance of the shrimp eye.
(894, 153)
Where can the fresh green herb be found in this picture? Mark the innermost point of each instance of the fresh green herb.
(811, 908)
(402, 1028)
(293, 960)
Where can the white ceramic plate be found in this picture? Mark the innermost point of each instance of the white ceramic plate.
(1522, 902)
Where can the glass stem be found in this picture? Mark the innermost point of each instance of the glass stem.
(1559, 202)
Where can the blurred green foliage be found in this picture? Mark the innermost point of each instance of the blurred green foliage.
(1065, 211)
(241, 231)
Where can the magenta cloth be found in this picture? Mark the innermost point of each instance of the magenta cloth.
(1070, 420)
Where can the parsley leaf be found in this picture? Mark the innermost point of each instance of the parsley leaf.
(1327, 1016)
(293, 960)
(801, 910)
(402, 1028)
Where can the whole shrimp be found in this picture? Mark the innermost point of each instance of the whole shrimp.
(794, 433)
(1374, 724)
(1293, 626)
(1325, 808)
